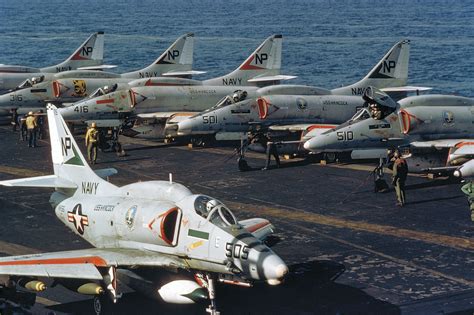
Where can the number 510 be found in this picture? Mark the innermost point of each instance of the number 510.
(345, 135)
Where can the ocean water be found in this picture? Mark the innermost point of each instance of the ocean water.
(325, 43)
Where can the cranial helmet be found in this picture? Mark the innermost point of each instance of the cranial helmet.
(211, 204)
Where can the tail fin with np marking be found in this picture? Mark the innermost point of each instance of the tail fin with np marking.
(261, 68)
(71, 170)
(177, 60)
(90, 53)
(390, 71)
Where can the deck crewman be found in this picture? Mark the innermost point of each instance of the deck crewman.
(92, 142)
(31, 126)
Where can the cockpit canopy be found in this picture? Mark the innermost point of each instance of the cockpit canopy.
(104, 90)
(235, 97)
(30, 82)
(214, 211)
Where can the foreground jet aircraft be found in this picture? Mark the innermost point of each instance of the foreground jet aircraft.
(157, 237)
(299, 109)
(435, 129)
(163, 98)
(71, 86)
(89, 54)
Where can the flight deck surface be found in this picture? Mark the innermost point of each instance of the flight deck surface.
(352, 251)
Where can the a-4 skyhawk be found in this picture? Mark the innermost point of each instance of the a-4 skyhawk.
(436, 131)
(71, 86)
(158, 101)
(90, 55)
(298, 112)
(156, 237)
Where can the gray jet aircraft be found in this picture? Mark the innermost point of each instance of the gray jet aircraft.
(301, 111)
(157, 237)
(71, 86)
(177, 102)
(435, 130)
(89, 55)
(162, 99)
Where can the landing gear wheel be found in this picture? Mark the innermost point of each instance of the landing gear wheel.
(97, 303)
(330, 157)
(102, 305)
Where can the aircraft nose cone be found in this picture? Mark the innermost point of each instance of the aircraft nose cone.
(185, 127)
(274, 269)
(317, 143)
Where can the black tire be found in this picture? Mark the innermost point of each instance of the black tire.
(97, 305)
(102, 305)
(330, 157)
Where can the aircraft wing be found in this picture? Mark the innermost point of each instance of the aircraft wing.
(163, 115)
(279, 77)
(260, 228)
(440, 144)
(302, 127)
(82, 264)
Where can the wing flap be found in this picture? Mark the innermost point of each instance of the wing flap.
(72, 271)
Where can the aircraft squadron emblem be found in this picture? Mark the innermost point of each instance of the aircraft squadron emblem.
(79, 87)
(448, 117)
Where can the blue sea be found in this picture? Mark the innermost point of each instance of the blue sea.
(325, 43)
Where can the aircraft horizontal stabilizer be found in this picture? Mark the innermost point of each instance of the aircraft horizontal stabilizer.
(279, 77)
(98, 67)
(407, 88)
(106, 172)
(181, 73)
(49, 181)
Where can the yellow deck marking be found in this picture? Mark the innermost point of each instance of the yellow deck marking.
(23, 172)
(302, 216)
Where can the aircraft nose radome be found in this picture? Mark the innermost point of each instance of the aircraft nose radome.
(274, 269)
(185, 127)
(316, 144)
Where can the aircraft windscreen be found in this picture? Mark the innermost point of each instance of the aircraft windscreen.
(214, 211)
(103, 90)
(30, 82)
(233, 98)
(360, 115)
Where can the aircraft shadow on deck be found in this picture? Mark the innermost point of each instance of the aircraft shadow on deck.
(310, 288)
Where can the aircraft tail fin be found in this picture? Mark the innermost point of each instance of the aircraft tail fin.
(90, 53)
(68, 162)
(177, 58)
(390, 71)
(260, 68)
(71, 170)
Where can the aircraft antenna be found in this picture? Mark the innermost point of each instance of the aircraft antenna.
(171, 178)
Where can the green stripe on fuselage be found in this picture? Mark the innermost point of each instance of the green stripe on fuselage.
(198, 234)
